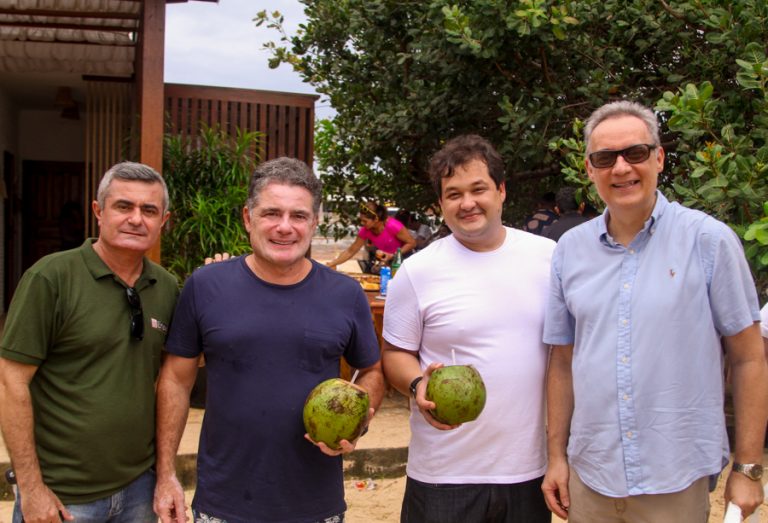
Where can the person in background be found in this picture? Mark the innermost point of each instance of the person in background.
(589, 211)
(79, 358)
(568, 214)
(543, 216)
(643, 298)
(478, 294)
(384, 233)
(420, 231)
(272, 325)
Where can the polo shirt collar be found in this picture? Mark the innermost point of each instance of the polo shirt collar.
(99, 269)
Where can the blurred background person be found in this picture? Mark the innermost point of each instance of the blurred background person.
(385, 235)
(420, 231)
(543, 216)
(569, 213)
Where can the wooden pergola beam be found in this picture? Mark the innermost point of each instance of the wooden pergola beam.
(58, 13)
(74, 26)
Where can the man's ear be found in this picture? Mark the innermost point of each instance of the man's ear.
(247, 219)
(96, 210)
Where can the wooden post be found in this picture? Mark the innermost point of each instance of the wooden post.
(149, 85)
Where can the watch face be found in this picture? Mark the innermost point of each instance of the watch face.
(752, 471)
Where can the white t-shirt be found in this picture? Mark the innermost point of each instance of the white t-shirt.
(489, 308)
(764, 321)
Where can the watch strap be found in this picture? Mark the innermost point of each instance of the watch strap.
(414, 384)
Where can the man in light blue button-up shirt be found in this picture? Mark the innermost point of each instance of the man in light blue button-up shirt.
(641, 298)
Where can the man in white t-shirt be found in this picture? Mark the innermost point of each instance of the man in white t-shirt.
(480, 294)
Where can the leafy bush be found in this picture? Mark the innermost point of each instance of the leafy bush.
(207, 179)
(723, 152)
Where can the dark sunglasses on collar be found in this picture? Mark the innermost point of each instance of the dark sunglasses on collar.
(632, 154)
(137, 313)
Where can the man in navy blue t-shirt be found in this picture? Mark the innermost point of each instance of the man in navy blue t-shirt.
(272, 325)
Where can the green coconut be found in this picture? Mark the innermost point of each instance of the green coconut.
(458, 392)
(335, 410)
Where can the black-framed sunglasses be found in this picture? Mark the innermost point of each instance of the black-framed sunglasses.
(632, 154)
(137, 313)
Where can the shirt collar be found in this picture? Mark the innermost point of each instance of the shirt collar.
(99, 269)
(648, 228)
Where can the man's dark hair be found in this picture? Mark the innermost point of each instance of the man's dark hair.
(566, 200)
(284, 171)
(458, 152)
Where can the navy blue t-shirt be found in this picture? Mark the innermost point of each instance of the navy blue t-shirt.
(266, 346)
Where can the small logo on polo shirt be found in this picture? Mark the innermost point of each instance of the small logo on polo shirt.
(159, 325)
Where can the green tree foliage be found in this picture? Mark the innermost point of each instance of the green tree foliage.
(406, 75)
(207, 179)
(723, 152)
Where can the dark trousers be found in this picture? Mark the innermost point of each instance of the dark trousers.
(474, 503)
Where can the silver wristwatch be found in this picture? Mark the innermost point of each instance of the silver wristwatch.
(753, 471)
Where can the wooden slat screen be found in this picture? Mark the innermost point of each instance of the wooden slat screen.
(286, 121)
(109, 106)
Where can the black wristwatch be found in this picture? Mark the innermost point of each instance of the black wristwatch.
(413, 385)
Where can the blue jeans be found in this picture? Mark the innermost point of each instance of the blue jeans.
(474, 503)
(132, 504)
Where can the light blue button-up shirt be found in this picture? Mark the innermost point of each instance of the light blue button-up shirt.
(645, 321)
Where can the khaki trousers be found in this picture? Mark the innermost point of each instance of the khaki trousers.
(587, 506)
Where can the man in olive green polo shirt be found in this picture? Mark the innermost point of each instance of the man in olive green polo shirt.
(78, 363)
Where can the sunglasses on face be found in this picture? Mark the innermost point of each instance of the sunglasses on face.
(632, 154)
(137, 313)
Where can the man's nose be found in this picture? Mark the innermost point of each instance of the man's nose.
(467, 201)
(284, 224)
(135, 215)
(622, 166)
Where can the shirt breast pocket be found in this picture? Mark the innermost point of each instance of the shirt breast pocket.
(320, 348)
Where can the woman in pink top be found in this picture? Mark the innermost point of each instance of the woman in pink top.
(384, 233)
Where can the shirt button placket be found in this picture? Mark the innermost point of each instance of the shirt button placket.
(627, 419)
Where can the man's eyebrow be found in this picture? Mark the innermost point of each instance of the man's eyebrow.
(132, 204)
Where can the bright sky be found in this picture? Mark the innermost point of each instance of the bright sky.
(218, 44)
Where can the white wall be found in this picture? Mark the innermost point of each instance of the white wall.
(45, 135)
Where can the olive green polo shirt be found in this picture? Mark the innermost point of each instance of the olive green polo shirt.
(93, 394)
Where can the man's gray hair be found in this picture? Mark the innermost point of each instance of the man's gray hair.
(130, 171)
(618, 109)
(284, 171)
